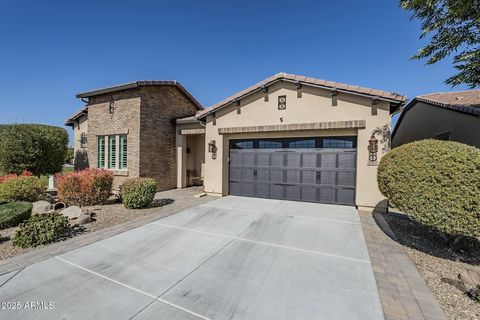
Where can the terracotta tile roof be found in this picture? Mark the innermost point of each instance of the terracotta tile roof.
(464, 101)
(394, 97)
(461, 101)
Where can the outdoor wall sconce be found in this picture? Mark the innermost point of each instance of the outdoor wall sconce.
(212, 148)
(372, 150)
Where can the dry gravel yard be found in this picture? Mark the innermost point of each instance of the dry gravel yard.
(436, 260)
(115, 213)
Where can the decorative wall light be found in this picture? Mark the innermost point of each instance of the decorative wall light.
(212, 148)
(372, 150)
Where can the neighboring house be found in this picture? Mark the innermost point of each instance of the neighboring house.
(129, 129)
(447, 116)
(292, 137)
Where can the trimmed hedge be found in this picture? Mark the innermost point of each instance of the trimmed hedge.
(22, 188)
(138, 193)
(40, 149)
(85, 188)
(13, 213)
(437, 183)
(42, 229)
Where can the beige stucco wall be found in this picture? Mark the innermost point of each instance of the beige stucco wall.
(314, 105)
(425, 121)
(194, 159)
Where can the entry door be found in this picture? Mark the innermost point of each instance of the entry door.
(312, 174)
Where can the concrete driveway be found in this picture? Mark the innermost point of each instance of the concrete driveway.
(232, 258)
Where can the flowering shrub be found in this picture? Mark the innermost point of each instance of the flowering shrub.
(11, 176)
(22, 188)
(84, 188)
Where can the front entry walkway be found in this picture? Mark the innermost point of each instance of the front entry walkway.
(232, 258)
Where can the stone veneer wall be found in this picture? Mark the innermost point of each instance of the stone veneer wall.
(159, 105)
(124, 120)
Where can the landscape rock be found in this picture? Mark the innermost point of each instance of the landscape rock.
(41, 207)
(471, 278)
(72, 212)
(48, 197)
(83, 219)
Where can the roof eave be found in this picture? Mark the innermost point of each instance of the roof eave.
(206, 113)
(143, 83)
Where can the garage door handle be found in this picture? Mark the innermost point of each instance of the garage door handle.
(285, 184)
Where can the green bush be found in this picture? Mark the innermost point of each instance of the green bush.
(42, 229)
(13, 213)
(138, 193)
(40, 149)
(22, 188)
(437, 183)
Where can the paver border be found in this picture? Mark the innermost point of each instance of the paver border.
(403, 292)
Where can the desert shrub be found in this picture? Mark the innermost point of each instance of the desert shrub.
(476, 294)
(42, 229)
(13, 213)
(437, 183)
(138, 192)
(83, 188)
(40, 149)
(22, 188)
(11, 176)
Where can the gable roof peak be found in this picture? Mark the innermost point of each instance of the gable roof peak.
(325, 84)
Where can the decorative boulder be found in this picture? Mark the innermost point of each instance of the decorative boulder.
(470, 277)
(41, 207)
(72, 212)
(83, 219)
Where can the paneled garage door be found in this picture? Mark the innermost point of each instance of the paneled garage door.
(304, 169)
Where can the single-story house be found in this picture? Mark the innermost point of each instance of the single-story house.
(445, 115)
(286, 137)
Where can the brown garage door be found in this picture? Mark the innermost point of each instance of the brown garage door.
(302, 169)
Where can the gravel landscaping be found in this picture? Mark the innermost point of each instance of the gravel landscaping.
(115, 213)
(435, 260)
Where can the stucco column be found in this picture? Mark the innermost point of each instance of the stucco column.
(181, 144)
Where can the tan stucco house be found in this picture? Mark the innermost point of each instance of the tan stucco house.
(445, 115)
(293, 137)
(286, 137)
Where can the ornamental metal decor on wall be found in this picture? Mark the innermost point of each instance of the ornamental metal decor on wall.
(372, 150)
(282, 102)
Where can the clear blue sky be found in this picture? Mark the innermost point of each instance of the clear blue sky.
(51, 50)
